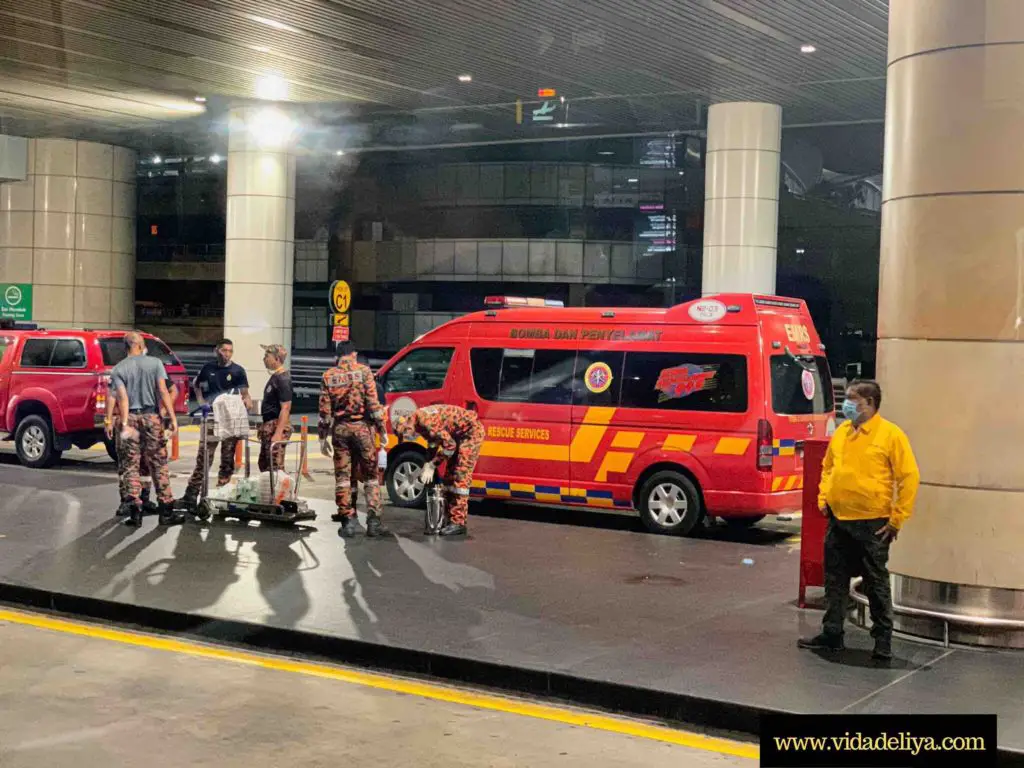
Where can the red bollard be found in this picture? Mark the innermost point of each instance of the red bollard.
(304, 433)
(813, 523)
(238, 455)
(175, 446)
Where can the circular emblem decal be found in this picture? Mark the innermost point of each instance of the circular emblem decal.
(403, 406)
(598, 378)
(13, 295)
(229, 377)
(707, 311)
(808, 385)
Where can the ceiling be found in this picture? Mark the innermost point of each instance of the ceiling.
(386, 72)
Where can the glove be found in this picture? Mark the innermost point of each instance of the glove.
(382, 459)
(427, 475)
(326, 449)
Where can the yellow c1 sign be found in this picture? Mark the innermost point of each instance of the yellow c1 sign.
(341, 297)
(340, 321)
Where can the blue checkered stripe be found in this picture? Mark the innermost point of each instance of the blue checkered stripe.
(547, 493)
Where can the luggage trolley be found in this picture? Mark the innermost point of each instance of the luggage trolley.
(289, 511)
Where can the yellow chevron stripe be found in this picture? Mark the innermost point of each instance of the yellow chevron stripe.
(613, 461)
(682, 443)
(777, 483)
(581, 451)
(628, 440)
(732, 446)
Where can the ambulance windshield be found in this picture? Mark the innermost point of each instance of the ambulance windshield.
(801, 385)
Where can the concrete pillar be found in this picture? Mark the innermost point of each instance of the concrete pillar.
(69, 230)
(260, 242)
(951, 296)
(741, 197)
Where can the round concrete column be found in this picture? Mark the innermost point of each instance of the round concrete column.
(951, 297)
(260, 247)
(69, 230)
(741, 197)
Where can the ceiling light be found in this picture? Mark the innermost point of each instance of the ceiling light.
(274, 23)
(807, 48)
(157, 160)
(340, 152)
(800, 251)
(271, 127)
(260, 48)
(200, 99)
(215, 159)
(606, 153)
(633, 181)
(465, 78)
(272, 87)
(682, 173)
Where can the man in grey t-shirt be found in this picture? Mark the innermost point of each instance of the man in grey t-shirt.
(140, 383)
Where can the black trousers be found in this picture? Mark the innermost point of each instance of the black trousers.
(852, 548)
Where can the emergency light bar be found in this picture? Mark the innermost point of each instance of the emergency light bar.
(505, 302)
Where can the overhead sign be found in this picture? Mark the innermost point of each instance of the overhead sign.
(342, 320)
(340, 333)
(341, 297)
(546, 93)
(545, 112)
(16, 301)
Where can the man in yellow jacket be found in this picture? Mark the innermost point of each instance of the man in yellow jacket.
(868, 485)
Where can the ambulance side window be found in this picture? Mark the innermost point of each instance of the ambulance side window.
(419, 371)
(598, 379)
(681, 381)
(523, 375)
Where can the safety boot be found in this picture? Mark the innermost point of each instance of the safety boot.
(375, 529)
(169, 515)
(124, 509)
(149, 507)
(883, 650)
(454, 529)
(349, 527)
(822, 642)
(134, 518)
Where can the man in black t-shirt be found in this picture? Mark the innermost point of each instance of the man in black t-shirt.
(215, 379)
(277, 408)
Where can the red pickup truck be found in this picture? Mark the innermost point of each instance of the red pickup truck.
(53, 387)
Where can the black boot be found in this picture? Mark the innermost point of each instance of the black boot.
(338, 517)
(453, 529)
(822, 642)
(349, 527)
(169, 515)
(124, 509)
(134, 518)
(375, 529)
(149, 507)
(883, 650)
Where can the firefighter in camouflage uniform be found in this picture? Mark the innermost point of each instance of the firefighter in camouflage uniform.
(454, 435)
(349, 414)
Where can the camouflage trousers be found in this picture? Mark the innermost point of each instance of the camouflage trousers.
(459, 474)
(124, 455)
(355, 456)
(204, 458)
(358, 476)
(150, 449)
(852, 548)
(265, 432)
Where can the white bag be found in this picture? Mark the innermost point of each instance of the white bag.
(284, 488)
(230, 418)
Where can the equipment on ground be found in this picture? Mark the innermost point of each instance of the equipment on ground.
(250, 500)
(436, 516)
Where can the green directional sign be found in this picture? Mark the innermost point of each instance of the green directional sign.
(16, 301)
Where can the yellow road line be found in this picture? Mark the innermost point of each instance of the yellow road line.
(393, 684)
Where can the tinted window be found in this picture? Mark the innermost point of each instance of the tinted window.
(69, 353)
(523, 375)
(680, 381)
(801, 385)
(420, 370)
(598, 378)
(114, 351)
(37, 352)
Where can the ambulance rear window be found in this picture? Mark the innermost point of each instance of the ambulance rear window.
(801, 385)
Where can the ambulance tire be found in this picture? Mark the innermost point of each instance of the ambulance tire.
(659, 501)
(400, 480)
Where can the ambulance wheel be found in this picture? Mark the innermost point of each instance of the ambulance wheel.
(670, 504)
(403, 480)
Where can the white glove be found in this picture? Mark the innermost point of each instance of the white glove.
(326, 449)
(427, 475)
(382, 459)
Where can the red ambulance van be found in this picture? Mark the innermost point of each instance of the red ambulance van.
(699, 409)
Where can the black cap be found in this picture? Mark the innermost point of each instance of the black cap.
(344, 348)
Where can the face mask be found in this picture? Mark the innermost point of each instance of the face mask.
(850, 410)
